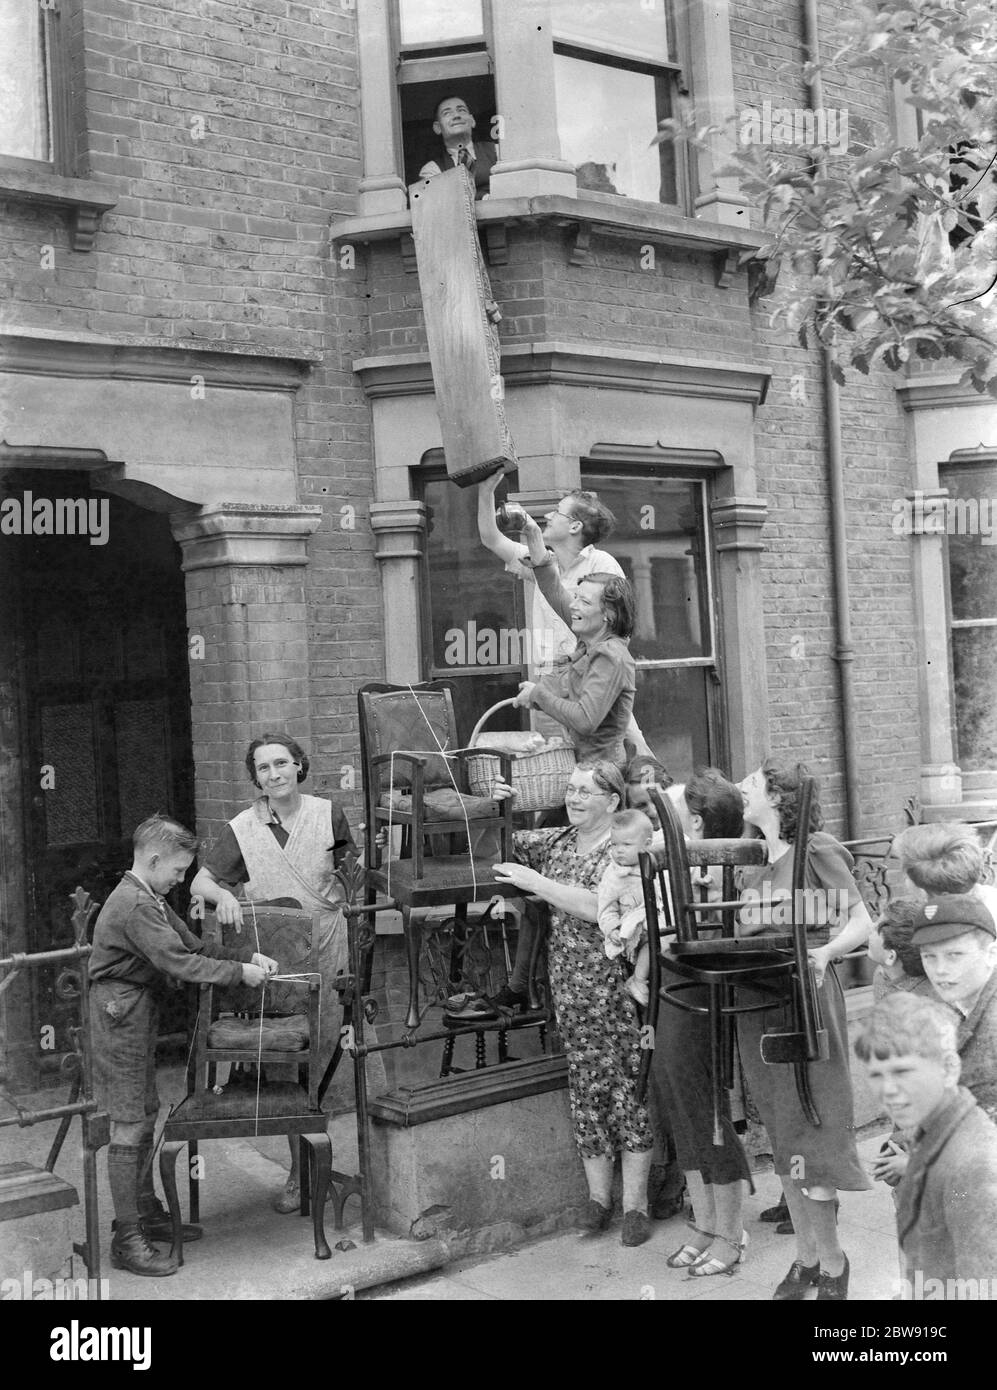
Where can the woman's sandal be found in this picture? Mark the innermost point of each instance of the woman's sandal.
(704, 1268)
(688, 1255)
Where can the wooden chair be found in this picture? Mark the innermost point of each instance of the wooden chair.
(415, 777)
(279, 1024)
(777, 966)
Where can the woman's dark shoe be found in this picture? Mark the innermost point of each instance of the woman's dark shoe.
(800, 1278)
(636, 1228)
(595, 1217)
(509, 999)
(131, 1250)
(833, 1288)
(773, 1215)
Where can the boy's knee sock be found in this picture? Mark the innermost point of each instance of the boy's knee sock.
(122, 1173)
(145, 1187)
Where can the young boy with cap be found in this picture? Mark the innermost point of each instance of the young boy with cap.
(947, 1201)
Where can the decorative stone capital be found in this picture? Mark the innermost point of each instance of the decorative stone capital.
(246, 534)
(737, 522)
(399, 529)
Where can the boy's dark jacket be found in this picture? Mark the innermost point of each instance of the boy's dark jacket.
(977, 1044)
(947, 1200)
(140, 940)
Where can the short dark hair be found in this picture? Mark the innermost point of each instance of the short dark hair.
(450, 96)
(618, 601)
(597, 520)
(168, 834)
(295, 749)
(647, 771)
(896, 927)
(784, 782)
(709, 794)
(629, 819)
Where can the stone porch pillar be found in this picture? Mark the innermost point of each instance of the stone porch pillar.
(382, 189)
(399, 536)
(737, 524)
(247, 639)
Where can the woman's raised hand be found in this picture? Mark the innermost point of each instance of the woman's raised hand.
(501, 791)
(519, 875)
(526, 689)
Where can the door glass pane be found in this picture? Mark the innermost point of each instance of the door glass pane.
(621, 26)
(143, 768)
(23, 99)
(433, 23)
(68, 750)
(659, 541)
(974, 667)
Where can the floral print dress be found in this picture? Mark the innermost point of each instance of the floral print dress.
(596, 1017)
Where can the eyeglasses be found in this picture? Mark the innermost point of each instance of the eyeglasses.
(568, 516)
(583, 793)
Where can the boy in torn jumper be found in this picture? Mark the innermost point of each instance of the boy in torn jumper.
(140, 946)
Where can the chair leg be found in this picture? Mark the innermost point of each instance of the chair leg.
(413, 948)
(305, 1176)
(193, 1181)
(168, 1175)
(480, 1057)
(317, 1149)
(446, 1066)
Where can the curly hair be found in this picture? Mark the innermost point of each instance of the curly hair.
(895, 929)
(904, 1025)
(784, 783)
(295, 749)
(941, 858)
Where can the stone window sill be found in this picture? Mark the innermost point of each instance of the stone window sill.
(581, 215)
(85, 200)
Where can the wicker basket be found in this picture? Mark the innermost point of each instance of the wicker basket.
(539, 778)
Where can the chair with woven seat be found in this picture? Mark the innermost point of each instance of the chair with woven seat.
(774, 966)
(415, 778)
(276, 1025)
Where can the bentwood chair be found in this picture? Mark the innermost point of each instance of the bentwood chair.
(776, 966)
(278, 1024)
(415, 778)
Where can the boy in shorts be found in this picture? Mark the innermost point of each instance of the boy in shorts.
(140, 946)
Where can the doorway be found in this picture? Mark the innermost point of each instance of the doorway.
(94, 725)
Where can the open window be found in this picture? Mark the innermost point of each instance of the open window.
(441, 50)
(615, 80)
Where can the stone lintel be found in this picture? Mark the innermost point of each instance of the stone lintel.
(246, 534)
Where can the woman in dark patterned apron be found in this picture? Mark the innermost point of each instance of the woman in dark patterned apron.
(596, 1017)
(287, 845)
(813, 1163)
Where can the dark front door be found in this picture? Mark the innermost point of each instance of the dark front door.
(104, 710)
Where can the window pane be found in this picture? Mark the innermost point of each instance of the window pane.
(23, 103)
(432, 23)
(476, 616)
(621, 26)
(659, 541)
(974, 667)
(606, 119)
(971, 540)
(672, 708)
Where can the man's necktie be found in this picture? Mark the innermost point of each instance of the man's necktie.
(464, 157)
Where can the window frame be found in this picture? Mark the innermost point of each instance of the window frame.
(436, 63)
(717, 716)
(56, 76)
(672, 68)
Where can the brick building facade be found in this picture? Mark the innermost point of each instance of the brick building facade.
(211, 317)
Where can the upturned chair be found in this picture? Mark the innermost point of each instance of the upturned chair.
(279, 1024)
(777, 966)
